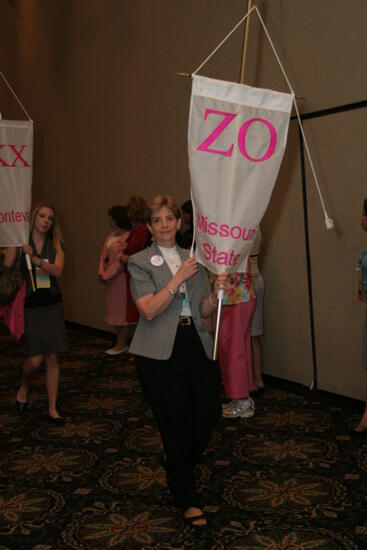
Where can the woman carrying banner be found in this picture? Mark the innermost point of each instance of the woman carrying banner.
(44, 312)
(361, 428)
(173, 347)
(113, 274)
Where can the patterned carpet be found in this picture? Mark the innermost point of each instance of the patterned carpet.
(289, 478)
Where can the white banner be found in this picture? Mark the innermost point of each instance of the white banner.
(16, 154)
(237, 137)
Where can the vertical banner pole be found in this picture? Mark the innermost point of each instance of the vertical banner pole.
(30, 272)
(217, 324)
(242, 79)
(245, 44)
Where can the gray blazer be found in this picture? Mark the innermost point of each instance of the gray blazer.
(155, 338)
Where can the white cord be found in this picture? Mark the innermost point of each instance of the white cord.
(224, 40)
(15, 95)
(194, 225)
(328, 221)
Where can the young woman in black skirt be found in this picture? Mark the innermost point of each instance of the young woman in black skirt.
(44, 312)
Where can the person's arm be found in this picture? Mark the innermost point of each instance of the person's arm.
(113, 269)
(210, 304)
(55, 269)
(123, 258)
(114, 265)
(10, 256)
(102, 258)
(153, 304)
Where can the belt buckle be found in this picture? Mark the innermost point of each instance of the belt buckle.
(185, 321)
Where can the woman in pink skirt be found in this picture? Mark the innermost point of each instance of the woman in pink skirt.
(113, 275)
(234, 350)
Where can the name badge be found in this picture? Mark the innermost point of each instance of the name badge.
(156, 260)
(42, 278)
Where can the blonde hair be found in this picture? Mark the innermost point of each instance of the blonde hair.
(159, 202)
(54, 233)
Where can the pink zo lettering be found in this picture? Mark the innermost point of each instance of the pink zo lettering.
(228, 117)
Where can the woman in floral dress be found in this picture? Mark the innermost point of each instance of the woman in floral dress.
(234, 349)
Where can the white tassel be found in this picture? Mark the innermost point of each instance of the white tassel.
(329, 223)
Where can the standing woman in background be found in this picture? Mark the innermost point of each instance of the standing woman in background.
(137, 240)
(234, 350)
(113, 274)
(188, 218)
(44, 333)
(257, 322)
(362, 425)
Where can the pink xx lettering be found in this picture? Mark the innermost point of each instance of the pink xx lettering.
(18, 156)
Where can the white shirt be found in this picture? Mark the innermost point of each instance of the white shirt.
(174, 262)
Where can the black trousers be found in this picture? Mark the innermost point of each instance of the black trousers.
(184, 394)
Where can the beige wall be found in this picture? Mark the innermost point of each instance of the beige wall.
(334, 254)
(287, 345)
(322, 46)
(99, 78)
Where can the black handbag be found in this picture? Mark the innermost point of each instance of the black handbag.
(10, 280)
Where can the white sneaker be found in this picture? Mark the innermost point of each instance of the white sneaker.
(113, 351)
(243, 408)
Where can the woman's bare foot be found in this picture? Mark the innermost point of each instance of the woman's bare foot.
(55, 416)
(259, 384)
(53, 412)
(192, 513)
(22, 395)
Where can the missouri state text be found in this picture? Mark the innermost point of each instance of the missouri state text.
(225, 231)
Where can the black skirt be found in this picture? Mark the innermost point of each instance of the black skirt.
(45, 330)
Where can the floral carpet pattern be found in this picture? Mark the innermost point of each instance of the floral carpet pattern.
(290, 478)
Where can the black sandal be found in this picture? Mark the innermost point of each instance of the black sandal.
(21, 405)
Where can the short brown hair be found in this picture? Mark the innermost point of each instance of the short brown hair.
(136, 209)
(159, 202)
